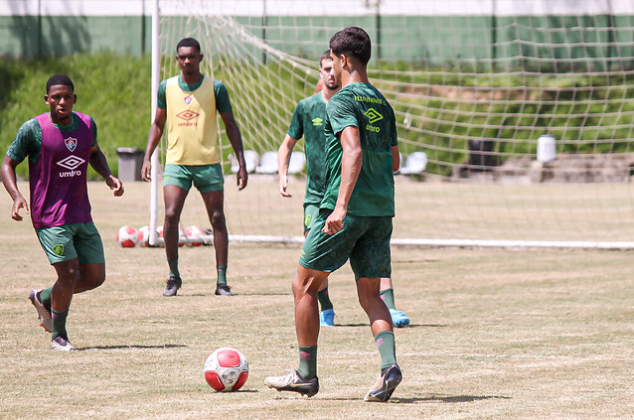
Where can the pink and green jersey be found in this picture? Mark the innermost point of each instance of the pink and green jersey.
(58, 161)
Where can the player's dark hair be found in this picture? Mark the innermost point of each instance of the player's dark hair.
(324, 56)
(188, 42)
(352, 42)
(59, 79)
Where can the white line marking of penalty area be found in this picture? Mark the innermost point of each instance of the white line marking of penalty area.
(494, 356)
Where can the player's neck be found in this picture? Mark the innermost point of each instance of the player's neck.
(61, 122)
(354, 76)
(191, 78)
(326, 93)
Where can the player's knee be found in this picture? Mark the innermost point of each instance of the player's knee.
(98, 280)
(92, 276)
(171, 215)
(68, 278)
(218, 220)
(368, 298)
(365, 302)
(306, 286)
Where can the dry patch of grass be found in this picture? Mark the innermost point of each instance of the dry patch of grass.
(495, 334)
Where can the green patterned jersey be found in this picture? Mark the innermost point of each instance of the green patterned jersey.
(308, 122)
(362, 105)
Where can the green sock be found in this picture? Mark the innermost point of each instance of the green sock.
(222, 274)
(324, 299)
(388, 297)
(307, 362)
(173, 263)
(45, 297)
(59, 324)
(385, 342)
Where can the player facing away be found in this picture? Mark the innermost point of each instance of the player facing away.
(355, 216)
(60, 144)
(189, 103)
(308, 121)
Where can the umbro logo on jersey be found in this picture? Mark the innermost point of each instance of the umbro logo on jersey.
(373, 115)
(187, 115)
(188, 100)
(318, 121)
(71, 143)
(71, 162)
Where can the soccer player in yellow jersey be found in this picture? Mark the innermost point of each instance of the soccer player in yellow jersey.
(189, 104)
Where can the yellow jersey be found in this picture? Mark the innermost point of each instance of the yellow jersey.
(192, 124)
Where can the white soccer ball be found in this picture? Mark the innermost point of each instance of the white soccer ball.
(226, 369)
(194, 236)
(127, 236)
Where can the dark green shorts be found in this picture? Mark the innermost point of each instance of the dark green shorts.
(363, 240)
(310, 214)
(205, 178)
(67, 242)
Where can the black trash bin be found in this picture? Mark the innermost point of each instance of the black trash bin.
(130, 163)
(481, 156)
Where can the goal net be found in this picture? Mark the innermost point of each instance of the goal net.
(514, 116)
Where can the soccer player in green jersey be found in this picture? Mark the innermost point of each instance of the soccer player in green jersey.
(59, 145)
(355, 216)
(308, 121)
(188, 105)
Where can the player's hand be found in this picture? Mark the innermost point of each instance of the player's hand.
(115, 185)
(283, 186)
(18, 204)
(146, 171)
(242, 178)
(334, 222)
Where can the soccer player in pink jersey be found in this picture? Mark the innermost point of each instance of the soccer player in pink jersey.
(59, 145)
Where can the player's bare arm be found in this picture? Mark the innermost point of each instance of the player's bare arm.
(283, 159)
(99, 163)
(351, 162)
(9, 180)
(153, 138)
(233, 132)
(396, 159)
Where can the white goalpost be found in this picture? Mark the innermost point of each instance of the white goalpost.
(154, 185)
(514, 117)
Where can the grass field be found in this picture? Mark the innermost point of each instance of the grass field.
(496, 334)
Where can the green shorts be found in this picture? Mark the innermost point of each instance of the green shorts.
(67, 242)
(364, 240)
(205, 178)
(310, 214)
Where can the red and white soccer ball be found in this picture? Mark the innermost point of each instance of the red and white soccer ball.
(226, 369)
(127, 236)
(182, 236)
(159, 233)
(194, 236)
(143, 236)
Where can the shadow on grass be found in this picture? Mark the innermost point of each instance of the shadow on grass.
(241, 391)
(447, 398)
(433, 398)
(236, 294)
(397, 329)
(136, 347)
(424, 260)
